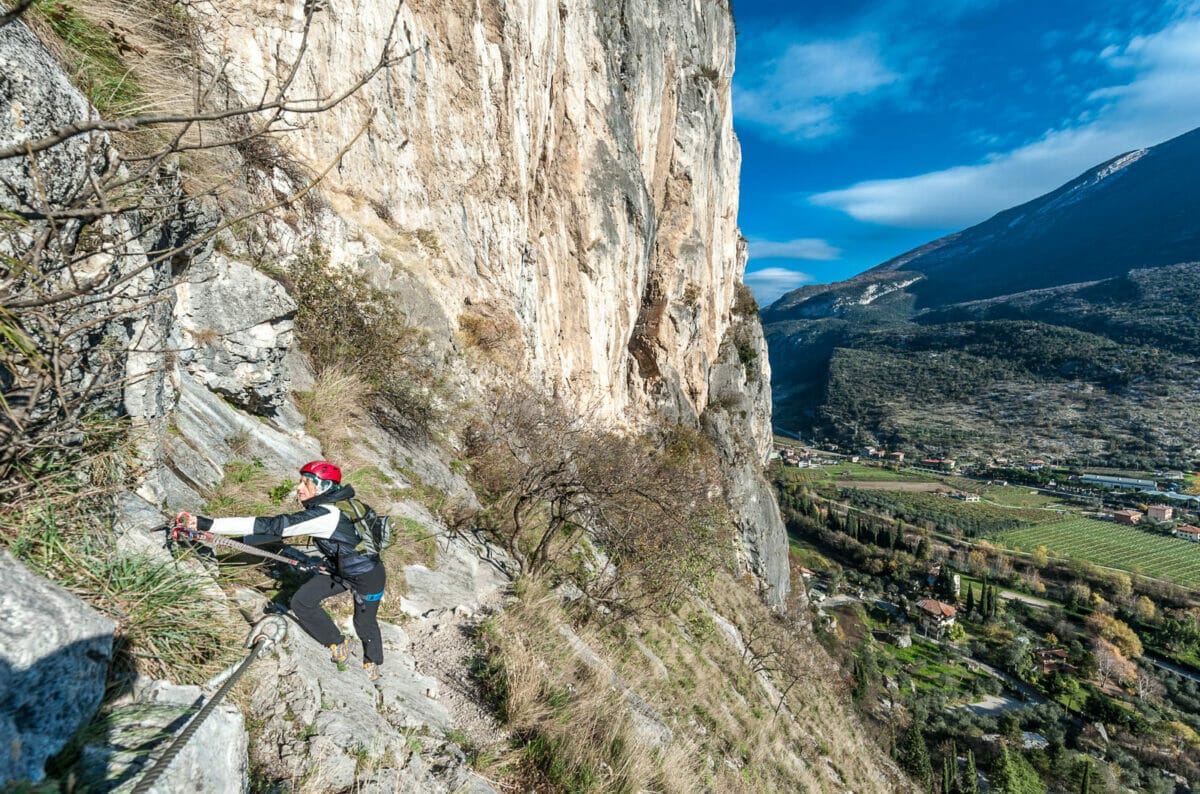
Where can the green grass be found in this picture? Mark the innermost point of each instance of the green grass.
(930, 668)
(1015, 496)
(165, 624)
(973, 518)
(98, 58)
(804, 554)
(862, 471)
(1115, 546)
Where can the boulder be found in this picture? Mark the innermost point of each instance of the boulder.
(237, 326)
(54, 657)
(207, 434)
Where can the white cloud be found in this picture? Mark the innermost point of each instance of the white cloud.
(805, 91)
(770, 283)
(1161, 99)
(804, 248)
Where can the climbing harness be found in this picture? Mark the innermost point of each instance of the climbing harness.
(264, 635)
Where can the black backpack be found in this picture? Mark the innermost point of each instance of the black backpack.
(375, 532)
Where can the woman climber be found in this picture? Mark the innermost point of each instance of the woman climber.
(331, 519)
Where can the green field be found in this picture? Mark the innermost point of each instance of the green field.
(855, 472)
(1115, 546)
(1015, 496)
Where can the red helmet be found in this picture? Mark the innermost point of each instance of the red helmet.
(322, 470)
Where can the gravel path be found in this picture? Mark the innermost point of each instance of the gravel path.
(443, 647)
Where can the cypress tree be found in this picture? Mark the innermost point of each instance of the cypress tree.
(947, 778)
(914, 756)
(1085, 785)
(970, 781)
(970, 598)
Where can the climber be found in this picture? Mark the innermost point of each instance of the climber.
(334, 533)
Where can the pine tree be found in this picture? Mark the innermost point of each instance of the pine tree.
(970, 781)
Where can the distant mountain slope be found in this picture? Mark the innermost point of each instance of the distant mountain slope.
(1067, 326)
(1137, 210)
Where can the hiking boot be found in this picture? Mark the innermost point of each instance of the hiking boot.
(372, 670)
(340, 653)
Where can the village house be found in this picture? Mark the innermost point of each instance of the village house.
(1187, 532)
(966, 497)
(1160, 512)
(1127, 517)
(896, 456)
(1037, 464)
(935, 617)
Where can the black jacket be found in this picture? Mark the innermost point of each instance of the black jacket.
(331, 530)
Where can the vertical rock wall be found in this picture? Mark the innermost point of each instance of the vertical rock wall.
(565, 169)
(571, 162)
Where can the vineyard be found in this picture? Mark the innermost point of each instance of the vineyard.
(1115, 546)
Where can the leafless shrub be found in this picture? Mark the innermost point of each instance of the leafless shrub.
(649, 505)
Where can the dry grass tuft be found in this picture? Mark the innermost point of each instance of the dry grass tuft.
(64, 531)
(573, 728)
(134, 57)
(494, 331)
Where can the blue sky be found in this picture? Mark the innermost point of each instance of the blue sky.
(869, 128)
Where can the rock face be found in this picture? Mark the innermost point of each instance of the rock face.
(561, 176)
(214, 759)
(573, 163)
(330, 731)
(237, 326)
(35, 98)
(738, 420)
(467, 574)
(54, 655)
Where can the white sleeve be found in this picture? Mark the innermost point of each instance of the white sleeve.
(319, 527)
(232, 526)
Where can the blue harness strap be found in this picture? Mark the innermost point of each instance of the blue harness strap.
(374, 596)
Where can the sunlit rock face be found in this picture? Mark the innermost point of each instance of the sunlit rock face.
(572, 165)
(564, 173)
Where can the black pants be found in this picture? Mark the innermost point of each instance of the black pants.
(306, 605)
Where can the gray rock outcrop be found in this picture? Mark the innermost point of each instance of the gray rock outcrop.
(739, 390)
(237, 327)
(467, 572)
(139, 725)
(54, 657)
(329, 731)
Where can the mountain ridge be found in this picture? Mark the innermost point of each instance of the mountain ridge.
(1110, 255)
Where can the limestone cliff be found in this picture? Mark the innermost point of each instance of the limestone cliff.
(565, 169)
